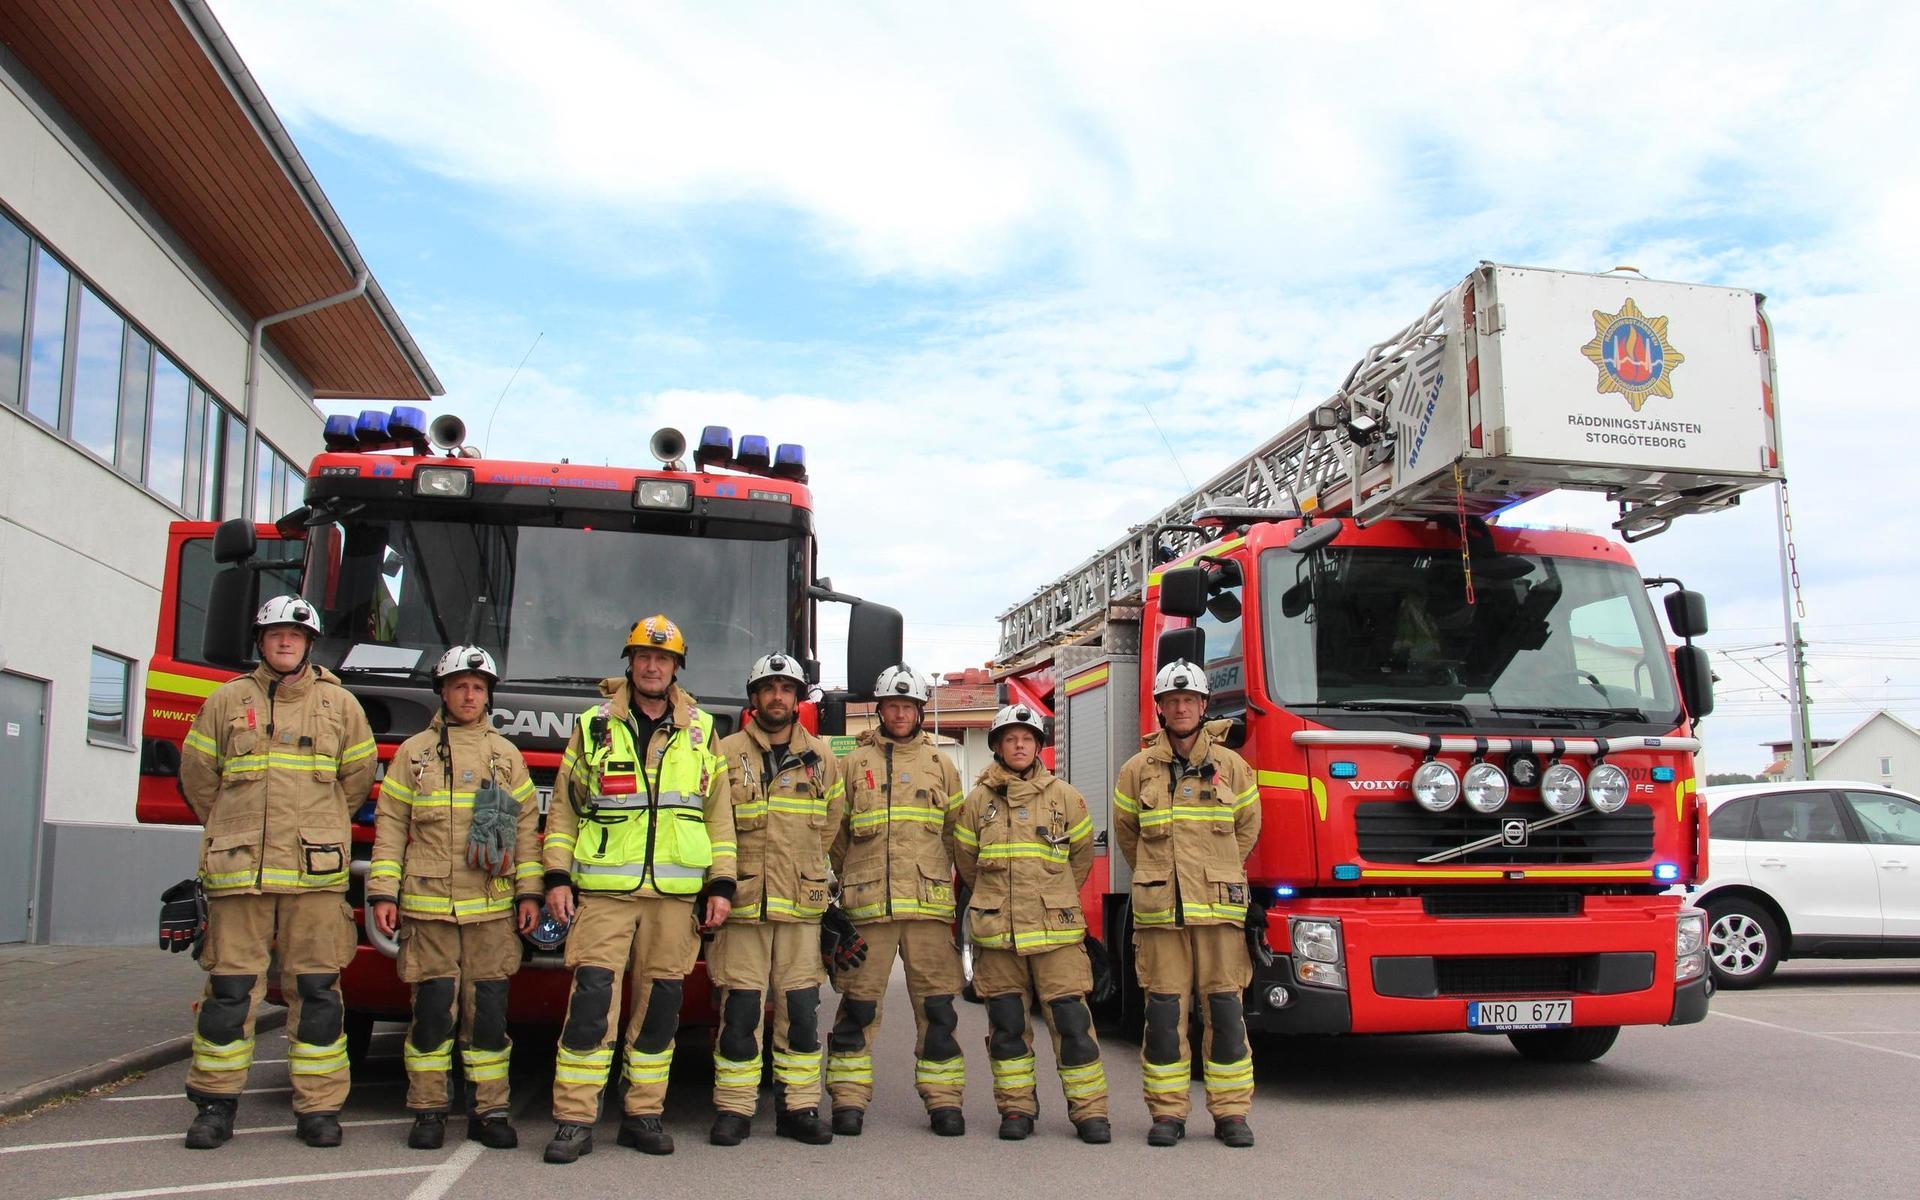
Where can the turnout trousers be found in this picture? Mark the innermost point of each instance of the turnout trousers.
(750, 962)
(652, 943)
(468, 965)
(313, 933)
(933, 983)
(1059, 979)
(1174, 965)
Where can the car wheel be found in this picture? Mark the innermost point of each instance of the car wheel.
(1743, 943)
(1565, 1045)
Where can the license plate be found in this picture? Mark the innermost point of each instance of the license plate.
(1500, 1016)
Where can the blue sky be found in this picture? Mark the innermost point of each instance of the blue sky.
(971, 255)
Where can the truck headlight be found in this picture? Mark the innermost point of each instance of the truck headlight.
(1485, 787)
(450, 483)
(663, 493)
(1435, 786)
(1691, 966)
(1607, 788)
(1561, 789)
(1691, 933)
(1315, 940)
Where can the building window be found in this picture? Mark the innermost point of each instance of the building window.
(233, 487)
(96, 375)
(1886, 764)
(46, 358)
(167, 445)
(15, 251)
(108, 692)
(136, 369)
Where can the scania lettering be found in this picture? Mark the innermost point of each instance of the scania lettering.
(1474, 745)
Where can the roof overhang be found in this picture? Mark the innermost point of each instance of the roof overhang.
(165, 97)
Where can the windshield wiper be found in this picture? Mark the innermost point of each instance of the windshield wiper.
(1437, 708)
(1568, 713)
(394, 672)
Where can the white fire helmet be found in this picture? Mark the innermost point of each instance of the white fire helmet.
(904, 682)
(1015, 714)
(1179, 676)
(287, 610)
(460, 659)
(776, 666)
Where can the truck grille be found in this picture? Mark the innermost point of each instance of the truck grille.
(1505, 976)
(1506, 902)
(1401, 832)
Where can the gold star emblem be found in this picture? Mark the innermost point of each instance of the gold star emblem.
(1633, 354)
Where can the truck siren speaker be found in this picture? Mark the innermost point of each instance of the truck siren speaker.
(668, 445)
(447, 431)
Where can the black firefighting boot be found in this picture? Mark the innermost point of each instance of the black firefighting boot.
(429, 1131)
(1094, 1131)
(494, 1132)
(1166, 1131)
(729, 1129)
(848, 1122)
(213, 1125)
(570, 1142)
(948, 1122)
(1015, 1127)
(646, 1135)
(1234, 1131)
(803, 1125)
(319, 1130)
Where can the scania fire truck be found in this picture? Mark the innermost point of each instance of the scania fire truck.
(1475, 749)
(547, 564)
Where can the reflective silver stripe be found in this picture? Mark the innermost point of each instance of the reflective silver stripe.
(639, 800)
(661, 870)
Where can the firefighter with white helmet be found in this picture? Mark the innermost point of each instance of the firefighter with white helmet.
(640, 827)
(896, 884)
(274, 766)
(787, 804)
(456, 871)
(1171, 803)
(1023, 843)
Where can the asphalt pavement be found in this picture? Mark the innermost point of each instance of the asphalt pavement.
(1799, 1089)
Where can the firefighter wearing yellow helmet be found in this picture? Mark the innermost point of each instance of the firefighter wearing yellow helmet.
(1190, 901)
(641, 830)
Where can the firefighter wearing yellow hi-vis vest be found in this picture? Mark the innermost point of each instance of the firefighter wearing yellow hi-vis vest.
(787, 802)
(456, 851)
(274, 766)
(896, 884)
(641, 827)
(1023, 842)
(1186, 812)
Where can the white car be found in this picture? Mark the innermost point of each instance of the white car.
(1821, 869)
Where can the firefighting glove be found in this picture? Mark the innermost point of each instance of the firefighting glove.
(1257, 946)
(490, 837)
(841, 946)
(183, 916)
(1104, 988)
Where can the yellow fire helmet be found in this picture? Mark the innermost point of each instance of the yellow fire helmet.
(657, 633)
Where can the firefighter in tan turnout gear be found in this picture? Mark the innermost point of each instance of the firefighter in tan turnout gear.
(1186, 812)
(456, 852)
(641, 826)
(787, 806)
(274, 766)
(1023, 842)
(896, 883)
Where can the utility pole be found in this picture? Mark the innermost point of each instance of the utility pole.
(1800, 766)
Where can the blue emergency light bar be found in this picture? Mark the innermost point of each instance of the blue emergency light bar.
(407, 424)
(790, 462)
(716, 447)
(371, 427)
(753, 455)
(339, 433)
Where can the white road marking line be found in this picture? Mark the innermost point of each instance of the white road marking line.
(448, 1173)
(1870, 1032)
(1788, 993)
(265, 1091)
(231, 1185)
(1828, 1037)
(174, 1137)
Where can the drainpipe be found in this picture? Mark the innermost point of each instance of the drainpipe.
(358, 289)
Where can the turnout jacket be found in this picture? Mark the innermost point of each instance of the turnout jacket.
(425, 810)
(1024, 845)
(890, 853)
(1186, 828)
(787, 806)
(274, 769)
(651, 820)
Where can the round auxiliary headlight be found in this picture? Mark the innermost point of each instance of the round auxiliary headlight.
(1607, 788)
(1561, 789)
(1485, 787)
(1435, 786)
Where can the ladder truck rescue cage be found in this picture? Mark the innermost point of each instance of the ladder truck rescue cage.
(1514, 383)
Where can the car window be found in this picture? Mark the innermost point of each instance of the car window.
(1732, 821)
(1888, 819)
(1798, 817)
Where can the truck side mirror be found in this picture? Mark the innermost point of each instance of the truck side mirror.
(234, 541)
(1183, 592)
(1687, 613)
(875, 634)
(1691, 668)
(228, 641)
(1314, 537)
(1176, 644)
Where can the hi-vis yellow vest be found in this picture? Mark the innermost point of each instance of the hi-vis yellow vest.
(642, 824)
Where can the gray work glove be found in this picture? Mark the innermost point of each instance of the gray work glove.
(496, 819)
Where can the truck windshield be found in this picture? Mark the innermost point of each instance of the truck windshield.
(1380, 629)
(552, 604)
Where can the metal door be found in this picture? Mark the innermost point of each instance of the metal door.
(23, 743)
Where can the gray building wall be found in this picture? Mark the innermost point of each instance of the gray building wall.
(1884, 751)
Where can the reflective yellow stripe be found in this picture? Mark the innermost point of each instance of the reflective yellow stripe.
(1124, 802)
(482, 1065)
(789, 908)
(1298, 783)
(556, 838)
(222, 1056)
(392, 787)
(280, 875)
(729, 1072)
(1161, 1079)
(1011, 1074)
(527, 870)
(902, 908)
(524, 791)
(181, 685)
(1078, 1083)
(1038, 850)
(1200, 912)
(195, 740)
(750, 810)
(225, 879)
(1082, 830)
(1158, 916)
(582, 1066)
(904, 813)
(444, 905)
(795, 1069)
(965, 836)
(305, 1058)
(850, 1068)
(440, 1058)
(1032, 937)
(1433, 873)
(1229, 1077)
(357, 751)
(807, 806)
(942, 1072)
(383, 868)
(648, 1067)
